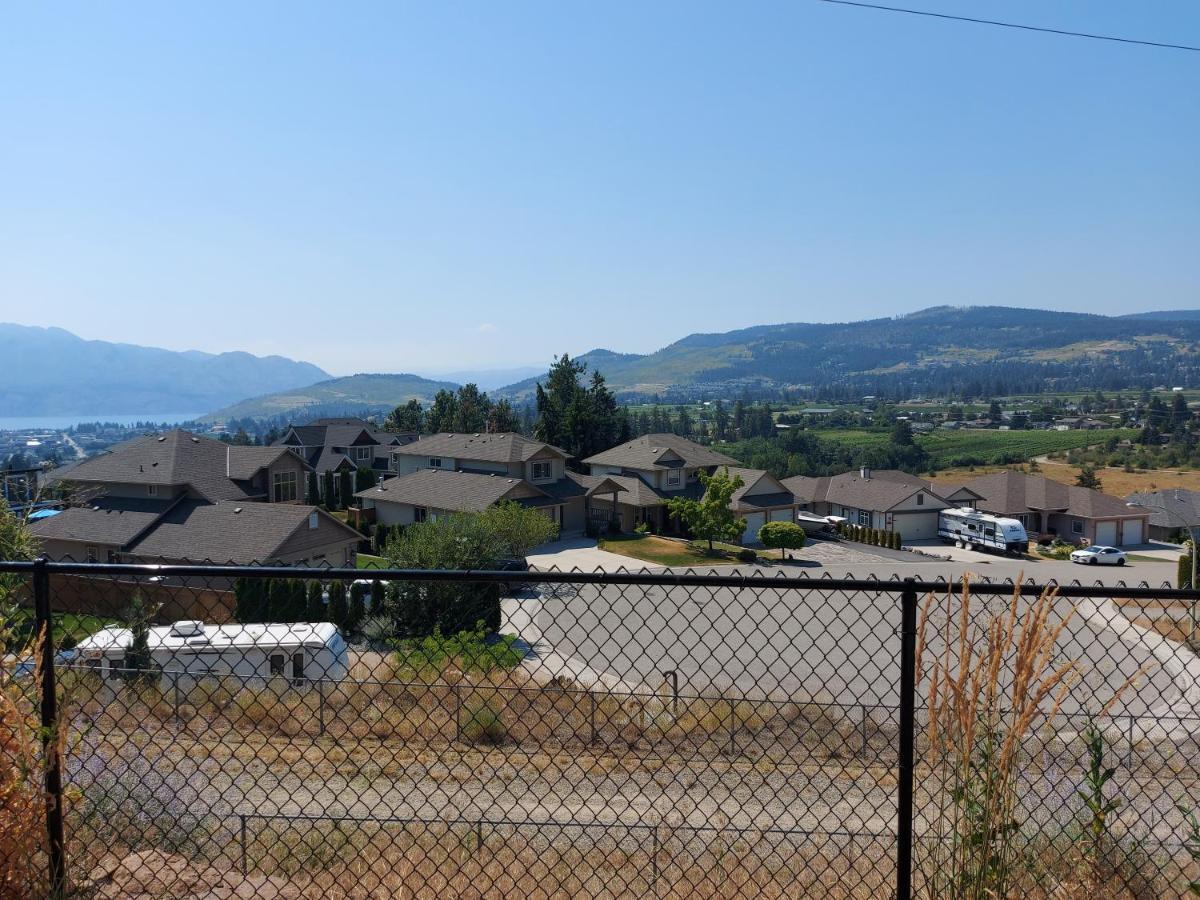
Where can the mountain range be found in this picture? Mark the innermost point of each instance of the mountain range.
(49, 371)
(944, 350)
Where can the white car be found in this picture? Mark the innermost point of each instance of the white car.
(1096, 555)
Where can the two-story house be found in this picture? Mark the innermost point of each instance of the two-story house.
(443, 473)
(337, 444)
(656, 467)
(179, 496)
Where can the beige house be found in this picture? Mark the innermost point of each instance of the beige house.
(178, 496)
(444, 473)
(656, 467)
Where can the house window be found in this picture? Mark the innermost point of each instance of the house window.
(283, 486)
(297, 668)
(920, 499)
(420, 513)
(864, 517)
(313, 521)
(1076, 527)
(541, 471)
(92, 554)
(277, 662)
(361, 453)
(152, 490)
(435, 462)
(673, 478)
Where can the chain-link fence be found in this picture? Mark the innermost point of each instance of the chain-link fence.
(247, 731)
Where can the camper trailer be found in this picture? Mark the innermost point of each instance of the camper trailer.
(975, 530)
(297, 653)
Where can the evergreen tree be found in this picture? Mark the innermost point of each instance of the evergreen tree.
(739, 417)
(382, 534)
(297, 600)
(279, 601)
(378, 597)
(720, 420)
(314, 607)
(328, 491)
(502, 418)
(250, 599)
(365, 478)
(902, 433)
(1087, 478)
(440, 416)
(405, 419)
(471, 410)
(139, 664)
(338, 609)
(314, 489)
(346, 489)
(358, 608)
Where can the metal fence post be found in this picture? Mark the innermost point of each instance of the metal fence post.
(175, 694)
(51, 751)
(321, 704)
(908, 703)
(243, 835)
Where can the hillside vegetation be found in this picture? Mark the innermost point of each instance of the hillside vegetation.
(971, 351)
(353, 393)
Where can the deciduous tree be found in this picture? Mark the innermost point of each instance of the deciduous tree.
(711, 518)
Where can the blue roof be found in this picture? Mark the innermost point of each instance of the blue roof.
(44, 513)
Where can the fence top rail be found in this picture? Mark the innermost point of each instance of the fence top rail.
(686, 578)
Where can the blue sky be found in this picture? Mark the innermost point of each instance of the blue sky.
(401, 187)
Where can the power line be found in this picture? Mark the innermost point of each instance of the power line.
(1060, 31)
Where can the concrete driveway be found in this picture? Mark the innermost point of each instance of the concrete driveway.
(582, 555)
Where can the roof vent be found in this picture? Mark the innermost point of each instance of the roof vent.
(236, 510)
(187, 628)
(161, 438)
(195, 440)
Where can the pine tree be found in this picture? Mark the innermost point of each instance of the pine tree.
(406, 419)
(314, 607)
(1087, 478)
(338, 610)
(358, 608)
(250, 599)
(471, 409)
(440, 415)
(328, 491)
(279, 601)
(297, 600)
(346, 489)
(502, 418)
(314, 489)
(377, 597)
(138, 661)
(365, 478)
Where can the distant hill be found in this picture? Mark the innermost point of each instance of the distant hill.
(49, 371)
(351, 394)
(490, 379)
(1168, 315)
(989, 350)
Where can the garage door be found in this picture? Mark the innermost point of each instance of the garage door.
(916, 526)
(754, 521)
(1106, 533)
(1132, 532)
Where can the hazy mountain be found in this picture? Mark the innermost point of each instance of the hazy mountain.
(1169, 315)
(489, 379)
(49, 371)
(360, 394)
(998, 350)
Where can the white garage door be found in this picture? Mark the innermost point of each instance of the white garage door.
(754, 521)
(1132, 532)
(916, 526)
(782, 515)
(1106, 533)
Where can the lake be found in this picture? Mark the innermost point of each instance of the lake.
(23, 423)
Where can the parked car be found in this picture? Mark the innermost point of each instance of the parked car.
(1096, 555)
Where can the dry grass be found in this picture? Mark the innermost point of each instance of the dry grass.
(1115, 481)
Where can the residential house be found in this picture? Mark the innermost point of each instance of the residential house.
(1051, 509)
(888, 499)
(337, 444)
(177, 496)
(1171, 511)
(656, 467)
(444, 473)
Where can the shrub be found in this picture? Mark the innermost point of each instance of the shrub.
(782, 535)
(480, 724)
(314, 608)
(641, 528)
(338, 611)
(1183, 575)
(358, 607)
(747, 555)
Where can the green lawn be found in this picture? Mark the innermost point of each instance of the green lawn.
(664, 552)
(367, 561)
(75, 626)
(944, 447)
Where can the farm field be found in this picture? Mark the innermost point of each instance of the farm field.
(1116, 482)
(985, 446)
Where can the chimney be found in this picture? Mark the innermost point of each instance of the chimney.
(865, 473)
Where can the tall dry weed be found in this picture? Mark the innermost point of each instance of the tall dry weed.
(988, 687)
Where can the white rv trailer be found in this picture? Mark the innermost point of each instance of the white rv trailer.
(299, 652)
(976, 530)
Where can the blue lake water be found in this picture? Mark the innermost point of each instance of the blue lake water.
(21, 423)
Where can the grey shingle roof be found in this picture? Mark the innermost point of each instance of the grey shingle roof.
(646, 452)
(458, 491)
(173, 458)
(1169, 509)
(506, 447)
(1011, 493)
(227, 532)
(244, 462)
(880, 491)
(110, 520)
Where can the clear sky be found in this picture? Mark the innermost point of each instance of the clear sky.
(404, 187)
